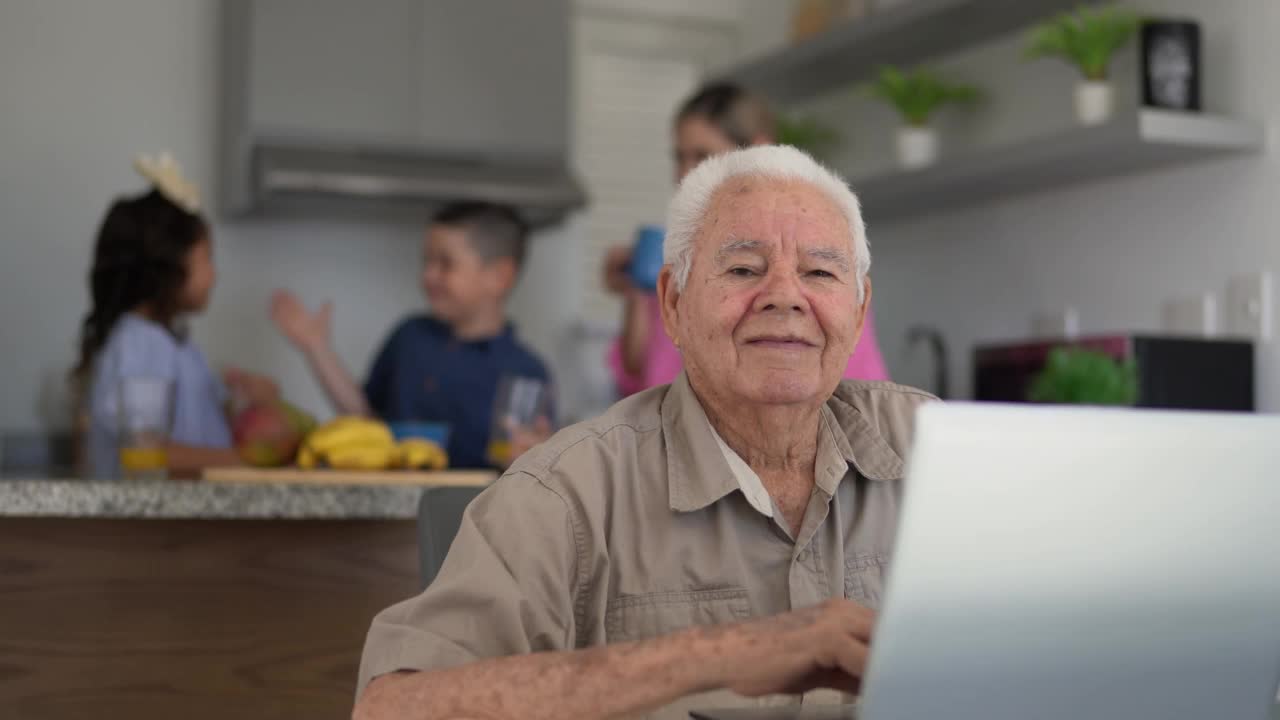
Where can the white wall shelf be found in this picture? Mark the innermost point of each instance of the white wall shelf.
(905, 34)
(1133, 142)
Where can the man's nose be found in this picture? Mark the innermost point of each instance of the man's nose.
(781, 291)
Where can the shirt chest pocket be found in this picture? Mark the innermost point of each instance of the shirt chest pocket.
(640, 617)
(864, 579)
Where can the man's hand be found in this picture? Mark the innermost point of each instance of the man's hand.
(308, 331)
(822, 646)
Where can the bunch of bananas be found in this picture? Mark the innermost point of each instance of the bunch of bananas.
(356, 443)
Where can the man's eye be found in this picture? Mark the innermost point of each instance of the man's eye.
(821, 274)
(742, 272)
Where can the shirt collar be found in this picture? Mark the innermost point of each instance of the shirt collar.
(699, 473)
(749, 482)
(442, 329)
(860, 441)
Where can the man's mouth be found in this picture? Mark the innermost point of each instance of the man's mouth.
(781, 342)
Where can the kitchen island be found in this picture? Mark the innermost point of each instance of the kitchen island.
(193, 599)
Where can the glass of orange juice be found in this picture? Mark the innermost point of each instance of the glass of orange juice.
(145, 412)
(520, 401)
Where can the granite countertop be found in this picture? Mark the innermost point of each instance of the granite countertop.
(179, 499)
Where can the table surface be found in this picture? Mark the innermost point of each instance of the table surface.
(172, 499)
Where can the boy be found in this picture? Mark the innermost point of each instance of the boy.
(445, 366)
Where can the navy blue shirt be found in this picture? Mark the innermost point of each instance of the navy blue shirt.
(425, 374)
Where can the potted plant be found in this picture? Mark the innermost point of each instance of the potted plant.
(1075, 375)
(1087, 38)
(805, 133)
(917, 95)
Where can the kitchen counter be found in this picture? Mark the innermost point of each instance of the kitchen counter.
(181, 499)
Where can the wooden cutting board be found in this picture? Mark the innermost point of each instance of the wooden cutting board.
(296, 476)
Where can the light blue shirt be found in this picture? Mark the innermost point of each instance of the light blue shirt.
(138, 347)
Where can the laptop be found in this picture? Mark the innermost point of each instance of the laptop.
(1061, 563)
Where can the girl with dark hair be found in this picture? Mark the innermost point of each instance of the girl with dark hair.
(153, 267)
(716, 119)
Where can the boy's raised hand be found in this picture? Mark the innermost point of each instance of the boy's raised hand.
(307, 330)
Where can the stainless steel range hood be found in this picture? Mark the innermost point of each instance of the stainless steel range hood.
(541, 187)
(328, 104)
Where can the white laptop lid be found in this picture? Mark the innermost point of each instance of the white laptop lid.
(1057, 563)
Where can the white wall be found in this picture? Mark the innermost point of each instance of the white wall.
(86, 85)
(1114, 249)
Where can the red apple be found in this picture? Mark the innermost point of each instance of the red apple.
(266, 435)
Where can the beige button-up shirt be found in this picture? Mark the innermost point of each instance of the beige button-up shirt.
(633, 525)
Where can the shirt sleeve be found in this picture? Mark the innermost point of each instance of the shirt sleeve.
(138, 351)
(379, 387)
(134, 350)
(505, 588)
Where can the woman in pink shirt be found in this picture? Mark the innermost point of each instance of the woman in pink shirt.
(718, 118)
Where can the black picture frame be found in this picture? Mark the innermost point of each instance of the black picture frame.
(1170, 61)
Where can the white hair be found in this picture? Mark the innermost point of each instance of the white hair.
(692, 201)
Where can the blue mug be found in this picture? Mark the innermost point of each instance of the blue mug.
(646, 258)
(436, 432)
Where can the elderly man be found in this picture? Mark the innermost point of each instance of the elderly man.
(720, 541)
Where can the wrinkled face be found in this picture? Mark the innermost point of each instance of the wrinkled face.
(696, 139)
(201, 277)
(770, 312)
(458, 282)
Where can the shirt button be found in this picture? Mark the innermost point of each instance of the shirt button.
(803, 556)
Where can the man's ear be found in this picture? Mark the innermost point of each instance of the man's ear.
(863, 309)
(668, 301)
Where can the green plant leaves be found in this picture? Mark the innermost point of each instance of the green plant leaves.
(1079, 376)
(917, 94)
(1086, 38)
(805, 133)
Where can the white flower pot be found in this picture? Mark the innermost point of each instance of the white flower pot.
(917, 147)
(1094, 102)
